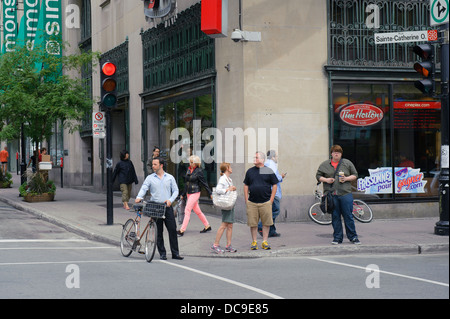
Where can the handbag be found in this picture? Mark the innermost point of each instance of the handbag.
(327, 202)
(179, 210)
(224, 201)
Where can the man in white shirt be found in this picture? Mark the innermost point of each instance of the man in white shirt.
(163, 189)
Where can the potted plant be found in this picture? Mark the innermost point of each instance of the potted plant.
(5, 179)
(37, 188)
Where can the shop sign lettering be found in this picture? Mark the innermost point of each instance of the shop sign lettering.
(361, 114)
(407, 181)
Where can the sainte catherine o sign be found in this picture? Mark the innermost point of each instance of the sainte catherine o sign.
(410, 36)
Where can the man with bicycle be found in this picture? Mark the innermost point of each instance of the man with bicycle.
(336, 174)
(163, 189)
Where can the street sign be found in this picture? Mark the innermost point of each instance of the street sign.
(98, 124)
(438, 12)
(409, 36)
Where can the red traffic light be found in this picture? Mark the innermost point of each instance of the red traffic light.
(109, 68)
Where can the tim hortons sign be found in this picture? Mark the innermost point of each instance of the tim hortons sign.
(361, 114)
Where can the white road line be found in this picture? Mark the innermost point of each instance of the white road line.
(56, 248)
(70, 262)
(382, 271)
(233, 282)
(42, 240)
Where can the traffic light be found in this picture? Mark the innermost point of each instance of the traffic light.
(109, 85)
(426, 52)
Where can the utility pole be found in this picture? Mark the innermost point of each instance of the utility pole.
(442, 226)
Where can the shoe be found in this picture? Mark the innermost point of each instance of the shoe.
(180, 233)
(206, 230)
(163, 257)
(230, 249)
(265, 245)
(356, 241)
(336, 242)
(178, 257)
(275, 235)
(254, 246)
(216, 249)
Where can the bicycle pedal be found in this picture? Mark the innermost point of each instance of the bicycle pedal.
(141, 252)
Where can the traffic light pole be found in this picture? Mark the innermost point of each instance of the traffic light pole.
(109, 168)
(442, 226)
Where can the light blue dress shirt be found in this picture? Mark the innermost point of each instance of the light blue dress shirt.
(274, 167)
(161, 189)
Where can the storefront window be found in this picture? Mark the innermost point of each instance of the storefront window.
(181, 126)
(391, 134)
(416, 141)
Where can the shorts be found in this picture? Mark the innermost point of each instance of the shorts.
(257, 211)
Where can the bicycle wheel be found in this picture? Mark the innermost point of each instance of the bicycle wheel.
(150, 241)
(128, 237)
(317, 216)
(362, 211)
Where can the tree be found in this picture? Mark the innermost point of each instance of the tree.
(36, 90)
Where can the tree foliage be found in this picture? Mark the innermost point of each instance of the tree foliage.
(38, 88)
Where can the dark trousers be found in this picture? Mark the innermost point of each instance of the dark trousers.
(343, 206)
(171, 226)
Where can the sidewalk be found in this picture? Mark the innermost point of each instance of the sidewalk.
(84, 213)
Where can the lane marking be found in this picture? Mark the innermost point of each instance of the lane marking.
(233, 282)
(69, 262)
(55, 248)
(381, 271)
(42, 240)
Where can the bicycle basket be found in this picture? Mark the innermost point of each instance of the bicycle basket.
(155, 210)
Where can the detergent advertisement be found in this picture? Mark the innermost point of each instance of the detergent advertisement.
(407, 180)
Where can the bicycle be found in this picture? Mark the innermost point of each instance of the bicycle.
(130, 239)
(361, 211)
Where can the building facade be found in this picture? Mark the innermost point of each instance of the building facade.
(315, 79)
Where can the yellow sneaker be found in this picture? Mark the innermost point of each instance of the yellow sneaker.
(254, 246)
(265, 245)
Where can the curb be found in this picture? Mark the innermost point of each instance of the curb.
(290, 252)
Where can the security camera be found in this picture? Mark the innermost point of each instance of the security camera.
(245, 36)
(237, 36)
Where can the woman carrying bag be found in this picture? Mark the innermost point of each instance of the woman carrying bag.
(224, 185)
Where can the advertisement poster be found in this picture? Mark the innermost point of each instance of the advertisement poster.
(407, 181)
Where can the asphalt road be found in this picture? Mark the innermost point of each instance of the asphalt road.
(41, 260)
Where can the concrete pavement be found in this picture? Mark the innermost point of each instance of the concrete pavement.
(84, 212)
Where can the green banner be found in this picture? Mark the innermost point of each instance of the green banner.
(28, 24)
(49, 27)
(9, 25)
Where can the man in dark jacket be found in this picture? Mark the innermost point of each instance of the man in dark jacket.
(127, 175)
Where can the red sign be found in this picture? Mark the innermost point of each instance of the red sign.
(417, 105)
(214, 18)
(361, 114)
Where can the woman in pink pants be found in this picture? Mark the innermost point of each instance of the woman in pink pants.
(194, 181)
